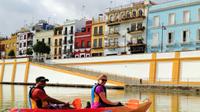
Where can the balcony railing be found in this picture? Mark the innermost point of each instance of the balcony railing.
(124, 19)
(70, 41)
(97, 34)
(134, 30)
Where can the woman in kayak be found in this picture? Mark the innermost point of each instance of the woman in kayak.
(98, 94)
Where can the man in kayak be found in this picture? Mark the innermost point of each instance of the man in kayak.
(98, 94)
(40, 99)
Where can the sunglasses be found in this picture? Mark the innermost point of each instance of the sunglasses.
(104, 80)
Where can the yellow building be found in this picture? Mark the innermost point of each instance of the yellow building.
(56, 48)
(98, 35)
(10, 44)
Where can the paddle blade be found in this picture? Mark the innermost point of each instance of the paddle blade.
(77, 103)
(134, 103)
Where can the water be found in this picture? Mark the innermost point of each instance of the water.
(16, 96)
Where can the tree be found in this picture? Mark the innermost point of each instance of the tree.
(41, 48)
(11, 53)
(29, 51)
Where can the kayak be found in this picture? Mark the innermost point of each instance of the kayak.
(130, 106)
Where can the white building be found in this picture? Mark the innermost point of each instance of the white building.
(24, 42)
(69, 29)
(125, 31)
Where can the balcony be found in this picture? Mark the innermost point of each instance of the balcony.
(124, 20)
(70, 41)
(112, 34)
(97, 34)
(99, 47)
(137, 48)
(135, 31)
(112, 45)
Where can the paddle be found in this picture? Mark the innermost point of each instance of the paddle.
(77, 103)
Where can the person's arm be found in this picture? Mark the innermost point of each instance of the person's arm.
(53, 100)
(105, 100)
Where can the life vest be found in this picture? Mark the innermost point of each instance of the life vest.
(95, 98)
(38, 103)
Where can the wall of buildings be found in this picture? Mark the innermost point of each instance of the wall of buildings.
(175, 17)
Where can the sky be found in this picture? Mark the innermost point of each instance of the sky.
(15, 14)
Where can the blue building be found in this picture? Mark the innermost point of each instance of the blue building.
(174, 26)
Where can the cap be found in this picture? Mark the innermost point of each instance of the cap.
(41, 78)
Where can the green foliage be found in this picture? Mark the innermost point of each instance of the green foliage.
(41, 48)
(11, 53)
(29, 51)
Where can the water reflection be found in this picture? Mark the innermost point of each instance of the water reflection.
(17, 96)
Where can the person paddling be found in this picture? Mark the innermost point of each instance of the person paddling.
(39, 98)
(98, 94)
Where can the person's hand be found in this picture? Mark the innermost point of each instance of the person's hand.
(119, 104)
(67, 104)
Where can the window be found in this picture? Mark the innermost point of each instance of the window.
(70, 49)
(156, 21)
(60, 42)
(101, 30)
(55, 51)
(20, 45)
(134, 13)
(24, 37)
(49, 41)
(139, 26)
(128, 15)
(71, 31)
(95, 43)
(198, 37)
(65, 40)
(89, 44)
(60, 51)
(186, 16)
(37, 40)
(155, 39)
(185, 36)
(100, 42)
(133, 27)
(171, 19)
(56, 42)
(88, 29)
(82, 44)
(140, 13)
(43, 40)
(66, 31)
(24, 44)
(170, 38)
(95, 30)
(199, 15)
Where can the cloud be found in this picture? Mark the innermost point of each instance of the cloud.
(17, 13)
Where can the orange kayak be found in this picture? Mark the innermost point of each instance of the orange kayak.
(130, 106)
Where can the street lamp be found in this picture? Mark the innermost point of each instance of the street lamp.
(162, 28)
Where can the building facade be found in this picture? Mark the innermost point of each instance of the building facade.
(83, 41)
(126, 31)
(98, 36)
(56, 48)
(24, 42)
(174, 26)
(69, 29)
(9, 45)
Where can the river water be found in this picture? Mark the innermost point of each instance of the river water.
(16, 96)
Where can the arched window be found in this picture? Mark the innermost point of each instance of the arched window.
(122, 15)
(111, 18)
(128, 15)
(134, 13)
(140, 12)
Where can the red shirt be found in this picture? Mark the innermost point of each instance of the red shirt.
(38, 94)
